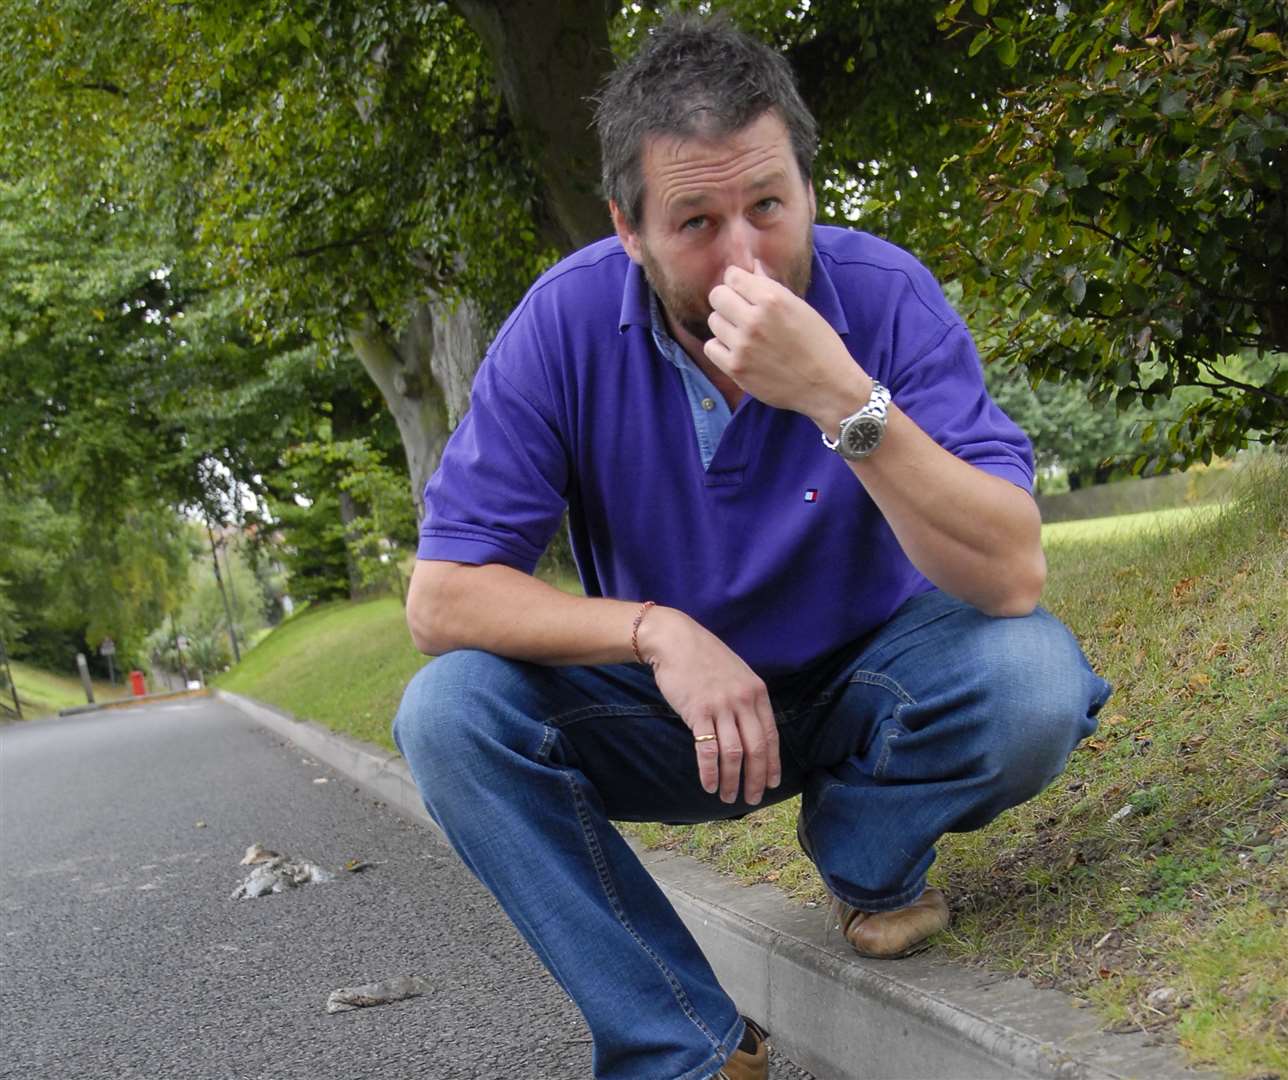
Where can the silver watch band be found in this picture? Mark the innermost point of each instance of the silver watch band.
(869, 421)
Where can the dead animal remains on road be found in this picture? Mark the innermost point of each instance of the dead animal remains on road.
(274, 872)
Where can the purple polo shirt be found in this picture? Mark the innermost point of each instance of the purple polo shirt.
(775, 547)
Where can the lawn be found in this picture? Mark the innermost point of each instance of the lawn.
(1149, 880)
(1128, 525)
(344, 665)
(43, 693)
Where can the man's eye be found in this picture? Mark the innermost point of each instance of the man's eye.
(766, 205)
(695, 223)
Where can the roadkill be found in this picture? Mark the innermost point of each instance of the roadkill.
(274, 873)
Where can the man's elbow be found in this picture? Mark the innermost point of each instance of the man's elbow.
(428, 615)
(1021, 591)
(424, 634)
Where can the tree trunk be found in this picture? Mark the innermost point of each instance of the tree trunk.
(550, 56)
(424, 376)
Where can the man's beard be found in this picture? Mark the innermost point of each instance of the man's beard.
(690, 309)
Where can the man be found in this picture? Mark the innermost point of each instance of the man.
(810, 558)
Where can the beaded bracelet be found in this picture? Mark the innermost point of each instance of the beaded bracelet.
(635, 630)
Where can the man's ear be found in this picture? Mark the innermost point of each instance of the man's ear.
(813, 204)
(629, 237)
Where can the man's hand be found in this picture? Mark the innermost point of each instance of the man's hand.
(778, 348)
(715, 693)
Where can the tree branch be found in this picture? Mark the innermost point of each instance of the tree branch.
(351, 241)
(1170, 267)
(107, 87)
(1224, 381)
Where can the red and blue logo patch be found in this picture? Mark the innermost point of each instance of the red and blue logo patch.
(811, 494)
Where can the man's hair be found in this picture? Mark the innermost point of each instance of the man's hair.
(693, 78)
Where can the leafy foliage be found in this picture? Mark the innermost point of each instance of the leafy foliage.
(1149, 180)
(71, 580)
(1071, 435)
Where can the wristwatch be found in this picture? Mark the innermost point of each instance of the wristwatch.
(861, 433)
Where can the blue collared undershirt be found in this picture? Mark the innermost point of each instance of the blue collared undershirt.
(711, 413)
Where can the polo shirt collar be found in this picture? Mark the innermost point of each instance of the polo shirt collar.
(822, 297)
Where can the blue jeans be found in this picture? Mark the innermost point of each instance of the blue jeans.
(935, 723)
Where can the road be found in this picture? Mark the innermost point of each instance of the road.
(123, 954)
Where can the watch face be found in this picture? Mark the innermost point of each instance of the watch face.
(861, 437)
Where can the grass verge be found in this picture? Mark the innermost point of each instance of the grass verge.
(1167, 917)
(43, 693)
(343, 665)
(1149, 880)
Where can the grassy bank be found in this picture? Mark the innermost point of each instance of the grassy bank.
(43, 693)
(1168, 916)
(1150, 880)
(343, 665)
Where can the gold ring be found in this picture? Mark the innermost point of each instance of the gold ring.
(703, 738)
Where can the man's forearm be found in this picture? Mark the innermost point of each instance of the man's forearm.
(974, 535)
(504, 611)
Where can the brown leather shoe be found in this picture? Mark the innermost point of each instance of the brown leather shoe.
(748, 1066)
(887, 935)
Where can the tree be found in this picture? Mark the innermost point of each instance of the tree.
(1150, 177)
(353, 165)
(1073, 437)
(391, 175)
(73, 579)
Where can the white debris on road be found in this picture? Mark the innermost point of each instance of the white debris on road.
(378, 993)
(274, 872)
(257, 853)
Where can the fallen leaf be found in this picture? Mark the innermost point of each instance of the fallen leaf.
(1182, 587)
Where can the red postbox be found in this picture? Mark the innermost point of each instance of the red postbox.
(137, 686)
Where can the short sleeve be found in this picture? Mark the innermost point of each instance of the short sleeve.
(943, 391)
(500, 489)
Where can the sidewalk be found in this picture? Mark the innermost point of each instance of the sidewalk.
(903, 1020)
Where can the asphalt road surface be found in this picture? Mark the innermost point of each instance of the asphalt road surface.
(123, 955)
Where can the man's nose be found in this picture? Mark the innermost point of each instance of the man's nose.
(740, 245)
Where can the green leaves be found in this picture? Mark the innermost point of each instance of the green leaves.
(1150, 196)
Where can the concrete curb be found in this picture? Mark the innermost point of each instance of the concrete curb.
(906, 1020)
(126, 702)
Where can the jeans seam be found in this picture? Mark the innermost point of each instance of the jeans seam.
(887, 748)
(587, 712)
(889, 903)
(610, 894)
(876, 678)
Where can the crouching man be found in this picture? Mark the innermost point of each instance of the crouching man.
(810, 558)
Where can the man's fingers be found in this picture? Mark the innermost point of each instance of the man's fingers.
(730, 757)
(773, 762)
(753, 756)
(706, 745)
(751, 288)
(723, 329)
(718, 353)
(730, 303)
